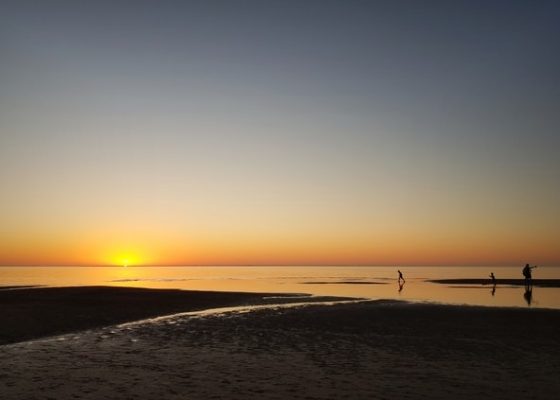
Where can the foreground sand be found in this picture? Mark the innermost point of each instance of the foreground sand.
(369, 350)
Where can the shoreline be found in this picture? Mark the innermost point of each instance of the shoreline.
(34, 312)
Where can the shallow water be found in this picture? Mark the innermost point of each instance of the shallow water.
(363, 282)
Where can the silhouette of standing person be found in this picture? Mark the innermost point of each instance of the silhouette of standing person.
(527, 274)
(401, 278)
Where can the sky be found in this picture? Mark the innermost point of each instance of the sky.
(279, 132)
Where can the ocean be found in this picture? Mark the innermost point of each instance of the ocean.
(362, 282)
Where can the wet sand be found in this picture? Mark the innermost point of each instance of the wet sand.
(367, 350)
(29, 313)
(552, 283)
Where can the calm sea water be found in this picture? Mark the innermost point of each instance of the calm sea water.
(366, 282)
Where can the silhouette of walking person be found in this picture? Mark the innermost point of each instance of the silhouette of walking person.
(401, 278)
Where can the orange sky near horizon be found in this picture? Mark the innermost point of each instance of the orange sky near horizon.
(252, 219)
(308, 248)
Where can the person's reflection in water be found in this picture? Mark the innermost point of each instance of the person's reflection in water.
(528, 295)
(401, 286)
(493, 290)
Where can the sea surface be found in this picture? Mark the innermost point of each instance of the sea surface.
(361, 282)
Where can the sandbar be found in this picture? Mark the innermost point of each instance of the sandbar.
(552, 283)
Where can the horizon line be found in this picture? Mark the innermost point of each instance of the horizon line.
(275, 265)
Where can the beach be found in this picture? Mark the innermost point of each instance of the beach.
(361, 350)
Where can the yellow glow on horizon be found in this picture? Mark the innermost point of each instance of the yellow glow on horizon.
(126, 259)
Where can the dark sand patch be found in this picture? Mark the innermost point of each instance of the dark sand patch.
(553, 283)
(17, 287)
(32, 313)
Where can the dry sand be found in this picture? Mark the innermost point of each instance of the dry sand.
(368, 350)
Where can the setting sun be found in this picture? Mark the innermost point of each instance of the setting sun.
(126, 259)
